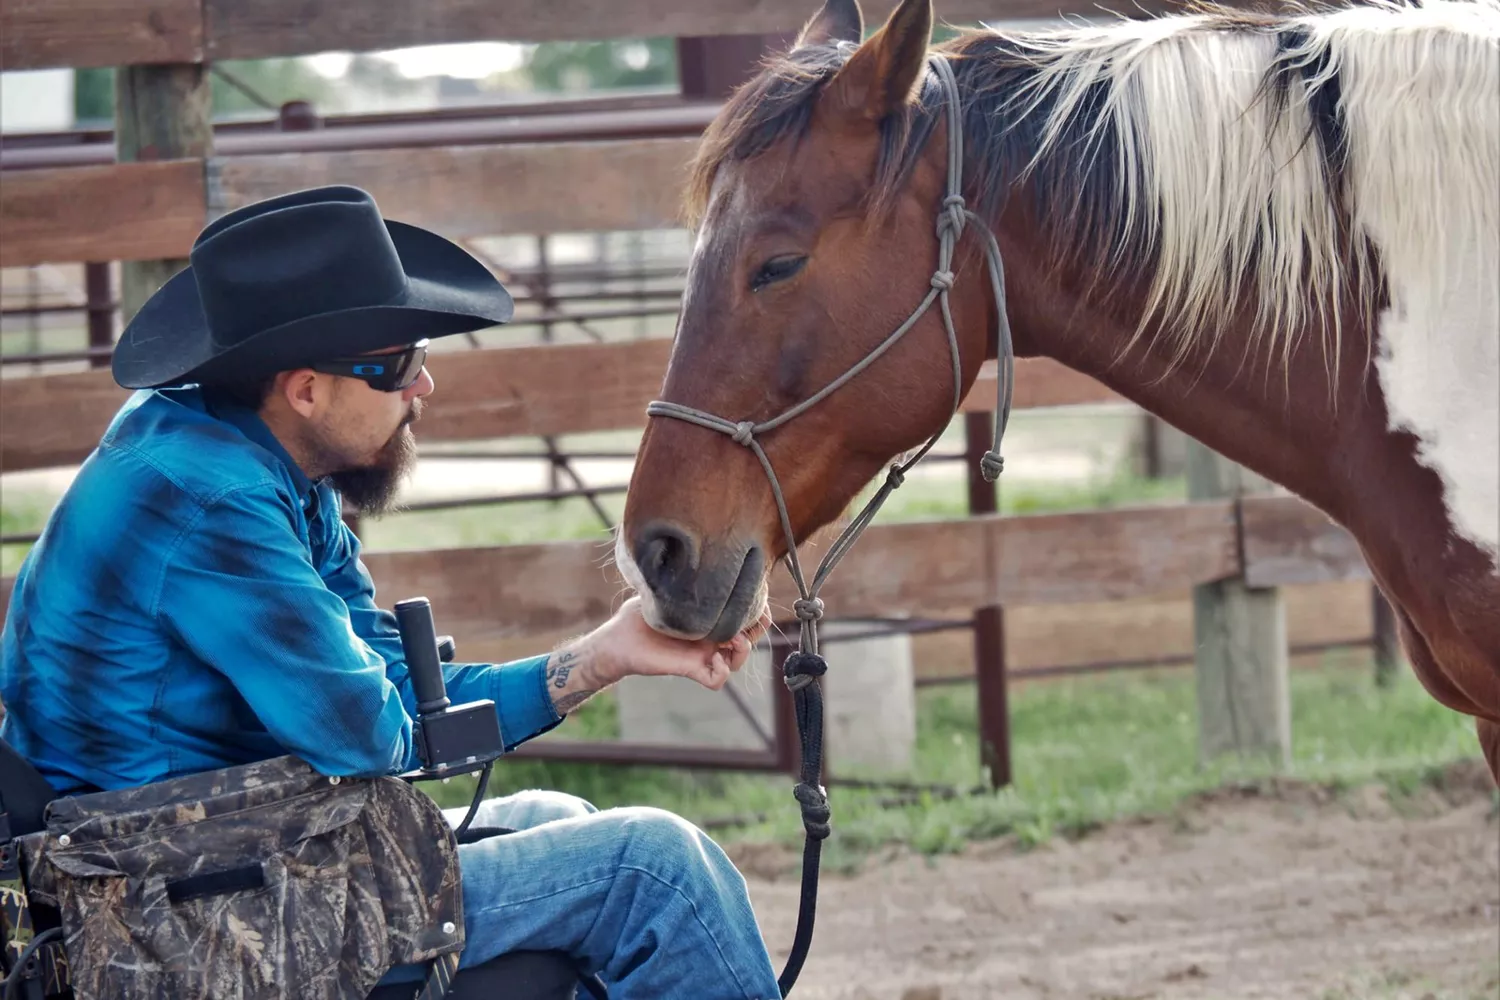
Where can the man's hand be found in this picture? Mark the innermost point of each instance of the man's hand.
(626, 645)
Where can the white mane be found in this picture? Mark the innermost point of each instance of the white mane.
(1231, 193)
(1211, 173)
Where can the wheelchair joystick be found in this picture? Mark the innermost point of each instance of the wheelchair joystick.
(451, 739)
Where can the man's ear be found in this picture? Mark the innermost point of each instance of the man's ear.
(837, 21)
(883, 73)
(301, 389)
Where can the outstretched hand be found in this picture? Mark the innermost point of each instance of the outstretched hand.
(626, 645)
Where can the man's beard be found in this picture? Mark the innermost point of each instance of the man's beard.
(371, 489)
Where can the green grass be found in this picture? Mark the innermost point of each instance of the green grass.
(20, 513)
(1397, 984)
(1086, 751)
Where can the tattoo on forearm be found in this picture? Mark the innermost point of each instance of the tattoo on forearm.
(560, 671)
(560, 667)
(568, 702)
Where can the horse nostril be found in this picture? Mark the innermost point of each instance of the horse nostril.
(665, 554)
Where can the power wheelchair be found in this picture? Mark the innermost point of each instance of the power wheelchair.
(452, 740)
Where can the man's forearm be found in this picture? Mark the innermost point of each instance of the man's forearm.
(574, 675)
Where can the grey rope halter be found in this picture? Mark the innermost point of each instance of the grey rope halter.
(951, 220)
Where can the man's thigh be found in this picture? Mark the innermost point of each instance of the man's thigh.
(522, 810)
(540, 888)
(504, 873)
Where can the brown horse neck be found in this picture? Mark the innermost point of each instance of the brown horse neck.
(1299, 425)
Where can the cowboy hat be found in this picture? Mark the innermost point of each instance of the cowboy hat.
(301, 278)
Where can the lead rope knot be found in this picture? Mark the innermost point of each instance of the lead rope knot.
(991, 465)
(744, 433)
(801, 669)
(815, 812)
(809, 609)
(942, 280)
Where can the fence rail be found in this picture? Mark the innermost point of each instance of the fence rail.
(500, 592)
(37, 34)
(150, 210)
(51, 420)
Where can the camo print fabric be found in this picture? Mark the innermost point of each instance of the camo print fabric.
(358, 875)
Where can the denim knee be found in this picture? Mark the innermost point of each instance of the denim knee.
(534, 807)
(668, 846)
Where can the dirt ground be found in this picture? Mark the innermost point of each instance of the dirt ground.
(1284, 892)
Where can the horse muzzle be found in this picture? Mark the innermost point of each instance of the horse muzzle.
(689, 589)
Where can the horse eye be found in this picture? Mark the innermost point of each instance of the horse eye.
(776, 269)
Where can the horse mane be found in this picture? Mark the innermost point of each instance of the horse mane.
(1217, 158)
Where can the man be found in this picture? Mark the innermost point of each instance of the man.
(196, 602)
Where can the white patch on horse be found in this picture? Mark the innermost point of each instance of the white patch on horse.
(1425, 167)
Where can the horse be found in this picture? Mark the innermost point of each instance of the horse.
(1278, 232)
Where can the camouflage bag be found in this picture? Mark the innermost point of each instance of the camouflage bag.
(262, 882)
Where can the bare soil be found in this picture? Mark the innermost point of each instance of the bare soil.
(1283, 890)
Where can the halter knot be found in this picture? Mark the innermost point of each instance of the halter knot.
(953, 216)
(744, 432)
(942, 280)
(991, 465)
(809, 609)
(895, 477)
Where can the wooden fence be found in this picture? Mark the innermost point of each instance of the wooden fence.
(49, 420)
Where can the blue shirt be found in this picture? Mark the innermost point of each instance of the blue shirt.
(195, 602)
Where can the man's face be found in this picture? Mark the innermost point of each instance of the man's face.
(362, 439)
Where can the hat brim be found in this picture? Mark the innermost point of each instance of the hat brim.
(448, 292)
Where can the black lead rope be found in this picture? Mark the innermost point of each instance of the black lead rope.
(802, 673)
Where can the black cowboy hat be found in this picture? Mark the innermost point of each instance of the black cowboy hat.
(305, 277)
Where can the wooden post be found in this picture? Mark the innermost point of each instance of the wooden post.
(1160, 448)
(1151, 463)
(989, 623)
(101, 311)
(1387, 639)
(1244, 706)
(712, 66)
(161, 113)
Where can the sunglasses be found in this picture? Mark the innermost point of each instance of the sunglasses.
(383, 372)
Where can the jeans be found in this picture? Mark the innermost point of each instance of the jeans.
(640, 896)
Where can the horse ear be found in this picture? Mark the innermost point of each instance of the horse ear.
(837, 21)
(883, 73)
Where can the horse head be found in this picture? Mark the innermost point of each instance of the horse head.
(815, 190)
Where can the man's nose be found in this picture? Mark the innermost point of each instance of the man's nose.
(422, 386)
